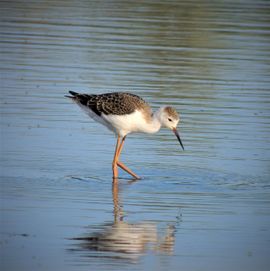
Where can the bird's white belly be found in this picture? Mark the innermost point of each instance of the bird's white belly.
(125, 124)
(95, 117)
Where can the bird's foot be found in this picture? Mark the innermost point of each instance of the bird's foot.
(129, 171)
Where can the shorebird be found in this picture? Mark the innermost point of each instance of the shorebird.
(125, 113)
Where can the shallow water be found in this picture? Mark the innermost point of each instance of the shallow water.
(206, 208)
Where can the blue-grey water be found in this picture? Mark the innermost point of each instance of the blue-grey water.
(205, 208)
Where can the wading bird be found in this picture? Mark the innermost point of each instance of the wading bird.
(125, 113)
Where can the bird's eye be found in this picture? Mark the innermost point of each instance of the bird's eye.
(169, 119)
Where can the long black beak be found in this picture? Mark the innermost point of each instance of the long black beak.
(178, 137)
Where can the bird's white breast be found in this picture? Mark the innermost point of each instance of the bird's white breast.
(125, 124)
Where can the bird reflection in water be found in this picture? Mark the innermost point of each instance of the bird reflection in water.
(128, 240)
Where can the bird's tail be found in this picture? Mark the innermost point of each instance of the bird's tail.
(73, 93)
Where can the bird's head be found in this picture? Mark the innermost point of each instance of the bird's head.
(169, 118)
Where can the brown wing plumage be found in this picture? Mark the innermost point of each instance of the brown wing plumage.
(116, 103)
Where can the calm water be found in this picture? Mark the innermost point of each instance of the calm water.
(207, 208)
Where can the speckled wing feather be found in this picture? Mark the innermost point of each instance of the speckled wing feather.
(115, 103)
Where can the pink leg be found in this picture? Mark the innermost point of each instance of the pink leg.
(115, 158)
(122, 165)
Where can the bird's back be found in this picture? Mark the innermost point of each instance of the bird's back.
(114, 103)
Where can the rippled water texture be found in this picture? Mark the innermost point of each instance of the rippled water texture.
(205, 208)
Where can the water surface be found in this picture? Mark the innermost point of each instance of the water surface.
(206, 208)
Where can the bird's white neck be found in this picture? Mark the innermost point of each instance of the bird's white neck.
(155, 123)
